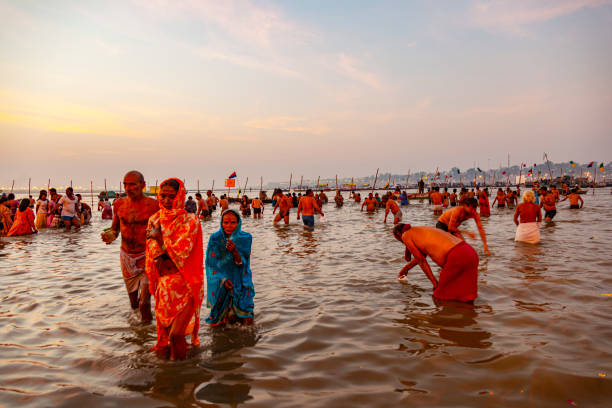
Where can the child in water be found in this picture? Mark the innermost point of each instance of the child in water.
(229, 281)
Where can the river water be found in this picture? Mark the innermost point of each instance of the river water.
(334, 327)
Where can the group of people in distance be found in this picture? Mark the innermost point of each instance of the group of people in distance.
(445, 243)
(162, 244)
(28, 216)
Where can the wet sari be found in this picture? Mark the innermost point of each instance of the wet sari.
(182, 237)
(23, 224)
(229, 287)
(6, 222)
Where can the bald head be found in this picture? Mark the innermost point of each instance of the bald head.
(137, 174)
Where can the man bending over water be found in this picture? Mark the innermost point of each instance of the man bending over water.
(458, 260)
(130, 220)
(452, 219)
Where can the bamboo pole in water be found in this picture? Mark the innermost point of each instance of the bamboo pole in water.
(105, 186)
(29, 187)
(290, 179)
(301, 180)
(13, 185)
(212, 190)
(336, 182)
(198, 185)
(261, 184)
(318, 178)
(91, 192)
(375, 179)
(48, 185)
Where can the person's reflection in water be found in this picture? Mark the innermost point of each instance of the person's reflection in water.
(457, 324)
(229, 386)
(527, 261)
(308, 244)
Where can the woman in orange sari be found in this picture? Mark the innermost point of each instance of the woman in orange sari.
(174, 266)
(24, 220)
(6, 221)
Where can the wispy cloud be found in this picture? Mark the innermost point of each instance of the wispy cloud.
(288, 124)
(351, 67)
(513, 15)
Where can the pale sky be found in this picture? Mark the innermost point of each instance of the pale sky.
(197, 89)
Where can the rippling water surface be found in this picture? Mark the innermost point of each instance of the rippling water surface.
(334, 328)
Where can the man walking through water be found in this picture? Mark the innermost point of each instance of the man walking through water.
(307, 206)
(130, 219)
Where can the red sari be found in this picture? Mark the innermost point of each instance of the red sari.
(23, 224)
(182, 236)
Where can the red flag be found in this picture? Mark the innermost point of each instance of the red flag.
(233, 175)
(503, 172)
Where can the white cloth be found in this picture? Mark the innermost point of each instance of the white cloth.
(43, 206)
(528, 232)
(68, 206)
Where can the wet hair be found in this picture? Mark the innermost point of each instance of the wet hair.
(399, 230)
(190, 198)
(24, 204)
(52, 190)
(11, 196)
(137, 174)
(198, 195)
(171, 183)
(3, 200)
(528, 196)
(40, 195)
(471, 202)
(543, 188)
(69, 189)
(454, 190)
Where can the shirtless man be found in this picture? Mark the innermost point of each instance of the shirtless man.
(549, 204)
(436, 200)
(223, 203)
(500, 199)
(458, 260)
(283, 203)
(453, 198)
(203, 212)
(307, 206)
(452, 219)
(258, 207)
(323, 197)
(574, 197)
(211, 202)
(394, 208)
(556, 193)
(130, 220)
(370, 203)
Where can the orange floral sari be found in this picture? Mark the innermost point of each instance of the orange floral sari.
(182, 236)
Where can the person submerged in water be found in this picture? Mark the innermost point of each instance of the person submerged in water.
(24, 220)
(174, 267)
(574, 198)
(229, 280)
(528, 217)
(370, 203)
(459, 262)
(549, 204)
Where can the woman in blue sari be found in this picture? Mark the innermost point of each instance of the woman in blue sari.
(229, 282)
